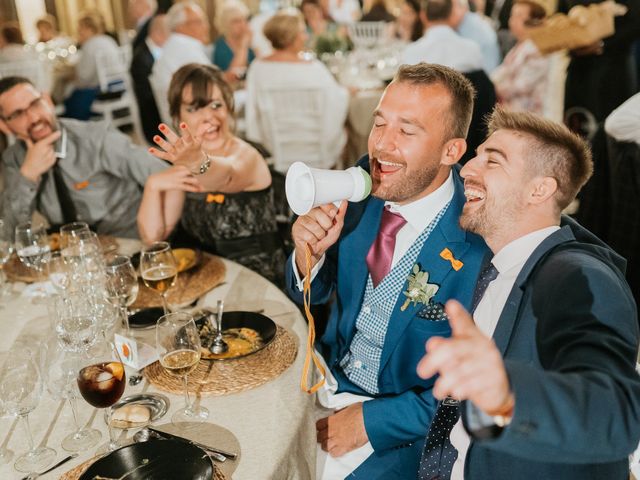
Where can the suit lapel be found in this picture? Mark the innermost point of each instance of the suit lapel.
(509, 316)
(447, 234)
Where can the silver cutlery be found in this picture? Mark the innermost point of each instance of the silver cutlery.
(230, 455)
(34, 475)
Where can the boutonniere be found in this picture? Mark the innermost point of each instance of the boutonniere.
(447, 255)
(419, 290)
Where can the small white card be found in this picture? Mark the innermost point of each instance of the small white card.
(134, 354)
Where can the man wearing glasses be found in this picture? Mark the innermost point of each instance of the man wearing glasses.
(66, 169)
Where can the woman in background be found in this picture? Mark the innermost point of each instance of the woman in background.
(409, 28)
(237, 219)
(231, 51)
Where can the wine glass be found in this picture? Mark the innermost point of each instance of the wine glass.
(74, 319)
(178, 346)
(102, 380)
(20, 390)
(59, 272)
(71, 230)
(6, 249)
(32, 245)
(61, 373)
(159, 270)
(121, 286)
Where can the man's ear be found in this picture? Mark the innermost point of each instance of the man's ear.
(453, 151)
(423, 18)
(543, 189)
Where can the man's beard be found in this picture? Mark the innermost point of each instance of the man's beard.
(42, 122)
(492, 218)
(405, 189)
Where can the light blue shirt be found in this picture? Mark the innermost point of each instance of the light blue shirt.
(474, 27)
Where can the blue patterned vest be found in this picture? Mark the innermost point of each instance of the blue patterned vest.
(362, 362)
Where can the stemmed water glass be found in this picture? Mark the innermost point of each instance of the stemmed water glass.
(62, 370)
(74, 320)
(20, 390)
(102, 380)
(159, 270)
(59, 272)
(178, 346)
(71, 230)
(121, 286)
(32, 245)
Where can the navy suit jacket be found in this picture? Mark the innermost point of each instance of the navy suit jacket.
(397, 420)
(569, 338)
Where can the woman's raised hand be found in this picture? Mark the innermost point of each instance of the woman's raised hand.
(185, 149)
(177, 177)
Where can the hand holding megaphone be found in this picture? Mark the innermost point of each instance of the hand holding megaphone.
(315, 194)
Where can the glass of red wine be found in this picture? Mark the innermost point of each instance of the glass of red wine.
(102, 380)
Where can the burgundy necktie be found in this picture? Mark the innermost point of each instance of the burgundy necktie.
(381, 252)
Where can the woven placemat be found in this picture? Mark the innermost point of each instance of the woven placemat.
(75, 473)
(189, 286)
(18, 272)
(223, 377)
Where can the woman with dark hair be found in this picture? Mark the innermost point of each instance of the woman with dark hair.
(409, 28)
(237, 219)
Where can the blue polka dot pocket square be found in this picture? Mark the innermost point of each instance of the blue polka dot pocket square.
(432, 312)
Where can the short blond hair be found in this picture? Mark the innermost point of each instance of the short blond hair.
(93, 20)
(229, 10)
(283, 28)
(554, 151)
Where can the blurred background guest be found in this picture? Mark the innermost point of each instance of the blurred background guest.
(286, 67)
(237, 220)
(343, 12)
(47, 27)
(475, 27)
(408, 25)
(231, 51)
(12, 44)
(142, 62)
(378, 12)
(93, 40)
(141, 12)
(521, 79)
(324, 34)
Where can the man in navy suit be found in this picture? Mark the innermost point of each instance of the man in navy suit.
(547, 364)
(392, 261)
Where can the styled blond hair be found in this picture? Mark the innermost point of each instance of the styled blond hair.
(283, 28)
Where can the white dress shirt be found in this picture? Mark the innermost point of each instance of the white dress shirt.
(178, 50)
(441, 44)
(87, 66)
(509, 262)
(418, 214)
(623, 123)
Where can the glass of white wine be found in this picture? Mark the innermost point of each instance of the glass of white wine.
(159, 269)
(121, 286)
(178, 346)
(32, 245)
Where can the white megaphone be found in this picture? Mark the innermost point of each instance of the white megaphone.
(308, 187)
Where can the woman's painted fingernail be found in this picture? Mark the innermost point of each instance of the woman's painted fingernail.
(163, 126)
(183, 125)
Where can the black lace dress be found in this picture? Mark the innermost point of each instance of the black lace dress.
(238, 226)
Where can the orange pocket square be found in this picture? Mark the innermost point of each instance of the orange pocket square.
(447, 255)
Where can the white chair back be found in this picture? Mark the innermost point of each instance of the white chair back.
(293, 119)
(33, 70)
(367, 34)
(113, 69)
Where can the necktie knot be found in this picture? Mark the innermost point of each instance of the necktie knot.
(391, 223)
(381, 252)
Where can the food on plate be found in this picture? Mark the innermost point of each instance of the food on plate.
(241, 341)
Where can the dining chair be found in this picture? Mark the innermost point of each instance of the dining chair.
(116, 102)
(367, 34)
(293, 121)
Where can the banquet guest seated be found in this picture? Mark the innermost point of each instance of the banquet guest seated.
(141, 65)
(473, 26)
(93, 40)
(232, 51)
(377, 257)
(236, 218)
(343, 12)
(48, 32)
(378, 12)
(186, 44)
(441, 43)
(286, 67)
(66, 169)
(141, 12)
(319, 24)
(521, 79)
(12, 44)
(408, 26)
(546, 368)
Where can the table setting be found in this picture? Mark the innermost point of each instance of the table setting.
(185, 362)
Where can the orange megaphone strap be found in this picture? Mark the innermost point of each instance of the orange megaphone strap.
(311, 338)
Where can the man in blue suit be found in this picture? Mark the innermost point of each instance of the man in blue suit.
(547, 364)
(392, 261)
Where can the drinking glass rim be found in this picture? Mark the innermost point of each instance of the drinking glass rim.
(156, 247)
(67, 227)
(180, 316)
(116, 261)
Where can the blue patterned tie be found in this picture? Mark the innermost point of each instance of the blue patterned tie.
(439, 454)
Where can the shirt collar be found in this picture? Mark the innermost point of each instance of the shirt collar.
(61, 146)
(154, 48)
(421, 212)
(439, 31)
(512, 257)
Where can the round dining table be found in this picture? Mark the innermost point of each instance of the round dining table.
(271, 425)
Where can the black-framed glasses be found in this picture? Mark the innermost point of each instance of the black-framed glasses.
(19, 114)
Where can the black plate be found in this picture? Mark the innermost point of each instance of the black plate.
(146, 318)
(260, 323)
(154, 460)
